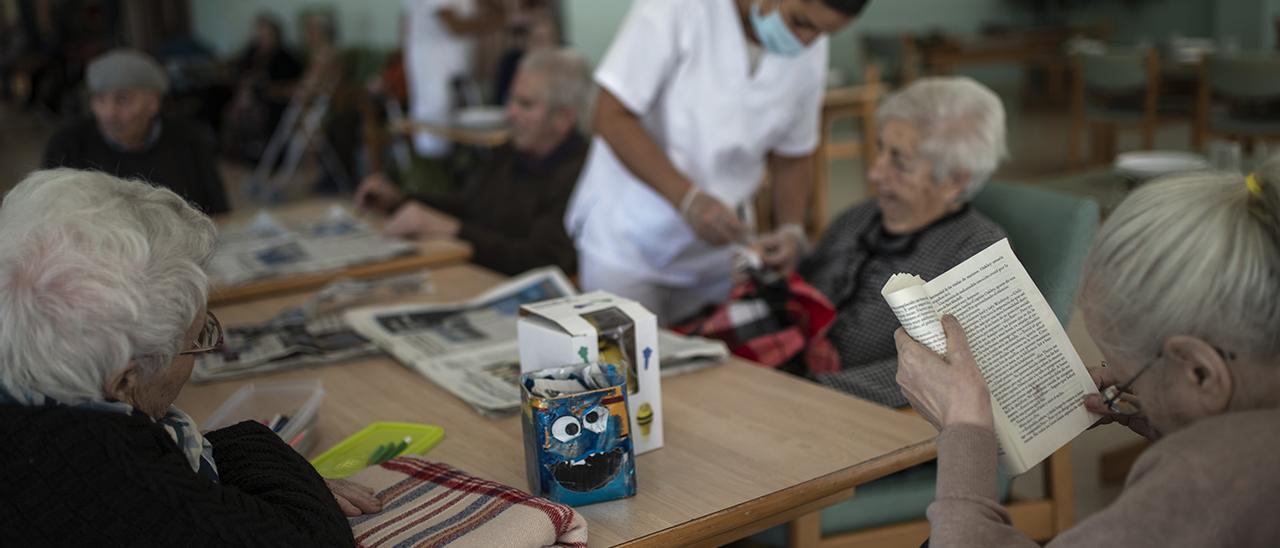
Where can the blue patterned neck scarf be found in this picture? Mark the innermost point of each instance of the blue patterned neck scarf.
(179, 425)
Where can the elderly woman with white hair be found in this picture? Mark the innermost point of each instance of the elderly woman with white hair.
(940, 139)
(1181, 292)
(102, 313)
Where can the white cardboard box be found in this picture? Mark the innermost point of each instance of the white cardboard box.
(564, 331)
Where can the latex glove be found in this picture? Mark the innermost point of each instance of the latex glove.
(1104, 377)
(944, 390)
(414, 220)
(354, 499)
(781, 249)
(377, 193)
(711, 221)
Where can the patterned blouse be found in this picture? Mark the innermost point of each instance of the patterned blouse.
(851, 263)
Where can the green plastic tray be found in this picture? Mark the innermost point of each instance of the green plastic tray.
(352, 454)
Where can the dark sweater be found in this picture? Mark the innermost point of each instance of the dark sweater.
(71, 477)
(850, 265)
(512, 212)
(182, 160)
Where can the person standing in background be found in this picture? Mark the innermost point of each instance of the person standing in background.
(437, 52)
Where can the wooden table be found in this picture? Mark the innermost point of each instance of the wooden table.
(485, 138)
(746, 448)
(430, 253)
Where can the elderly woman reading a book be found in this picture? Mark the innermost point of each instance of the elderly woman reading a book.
(1182, 294)
(940, 138)
(102, 313)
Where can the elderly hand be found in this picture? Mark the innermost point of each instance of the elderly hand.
(1104, 377)
(377, 193)
(414, 220)
(353, 498)
(781, 249)
(711, 220)
(944, 390)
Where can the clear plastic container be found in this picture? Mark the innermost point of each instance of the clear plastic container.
(298, 400)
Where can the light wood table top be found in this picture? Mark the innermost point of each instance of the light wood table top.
(746, 448)
(430, 253)
(486, 138)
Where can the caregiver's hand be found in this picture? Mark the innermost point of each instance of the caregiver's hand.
(944, 390)
(711, 221)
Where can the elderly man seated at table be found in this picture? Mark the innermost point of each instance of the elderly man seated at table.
(1181, 292)
(512, 211)
(127, 136)
(940, 138)
(102, 315)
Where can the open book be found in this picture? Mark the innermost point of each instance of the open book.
(1036, 379)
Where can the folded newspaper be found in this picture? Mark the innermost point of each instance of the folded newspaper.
(311, 334)
(266, 247)
(470, 348)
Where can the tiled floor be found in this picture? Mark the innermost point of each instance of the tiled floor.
(1038, 142)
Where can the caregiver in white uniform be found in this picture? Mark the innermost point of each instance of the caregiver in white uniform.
(438, 51)
(697, 98)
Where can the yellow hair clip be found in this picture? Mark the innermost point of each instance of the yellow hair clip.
(1255, 187)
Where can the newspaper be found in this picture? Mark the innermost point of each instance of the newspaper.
(311, 334)
(470, 348)
(266, 247)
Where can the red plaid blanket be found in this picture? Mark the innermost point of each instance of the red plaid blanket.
(773, 324)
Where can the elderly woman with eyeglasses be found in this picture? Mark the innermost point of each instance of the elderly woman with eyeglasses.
(940, 139)
(1182, 294)
(102, 313)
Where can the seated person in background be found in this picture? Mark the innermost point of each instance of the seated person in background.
(127, 136)
(940, 138)
(512, 211)
(265, 76)
(1181, 292)
(102, 315)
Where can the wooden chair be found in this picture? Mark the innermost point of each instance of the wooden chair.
(895, 57)
(1238, 98)
(1100, 85)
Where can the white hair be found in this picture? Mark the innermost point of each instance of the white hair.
(568, 77)
(1195, 254)
(95, 271)
(961, 125)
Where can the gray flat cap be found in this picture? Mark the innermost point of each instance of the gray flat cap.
(126, 69)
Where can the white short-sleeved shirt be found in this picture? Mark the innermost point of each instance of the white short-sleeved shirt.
(433, 57)
(682, 66)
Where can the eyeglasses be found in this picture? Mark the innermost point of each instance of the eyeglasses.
(1121, 401)
(210, 338)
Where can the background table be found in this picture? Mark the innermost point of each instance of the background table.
(746, 448)
(430, 253)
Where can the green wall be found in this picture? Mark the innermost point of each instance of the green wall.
(591, 24)
(227, 25)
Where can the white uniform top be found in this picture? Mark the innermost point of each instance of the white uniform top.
(682, 66)
(433, 57)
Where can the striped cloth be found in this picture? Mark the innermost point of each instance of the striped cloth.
(432, 504)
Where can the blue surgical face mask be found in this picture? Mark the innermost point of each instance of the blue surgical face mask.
(773, 32)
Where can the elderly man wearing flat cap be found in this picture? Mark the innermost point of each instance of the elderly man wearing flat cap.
(127, 137)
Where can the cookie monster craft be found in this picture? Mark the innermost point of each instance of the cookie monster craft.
(577, 435)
